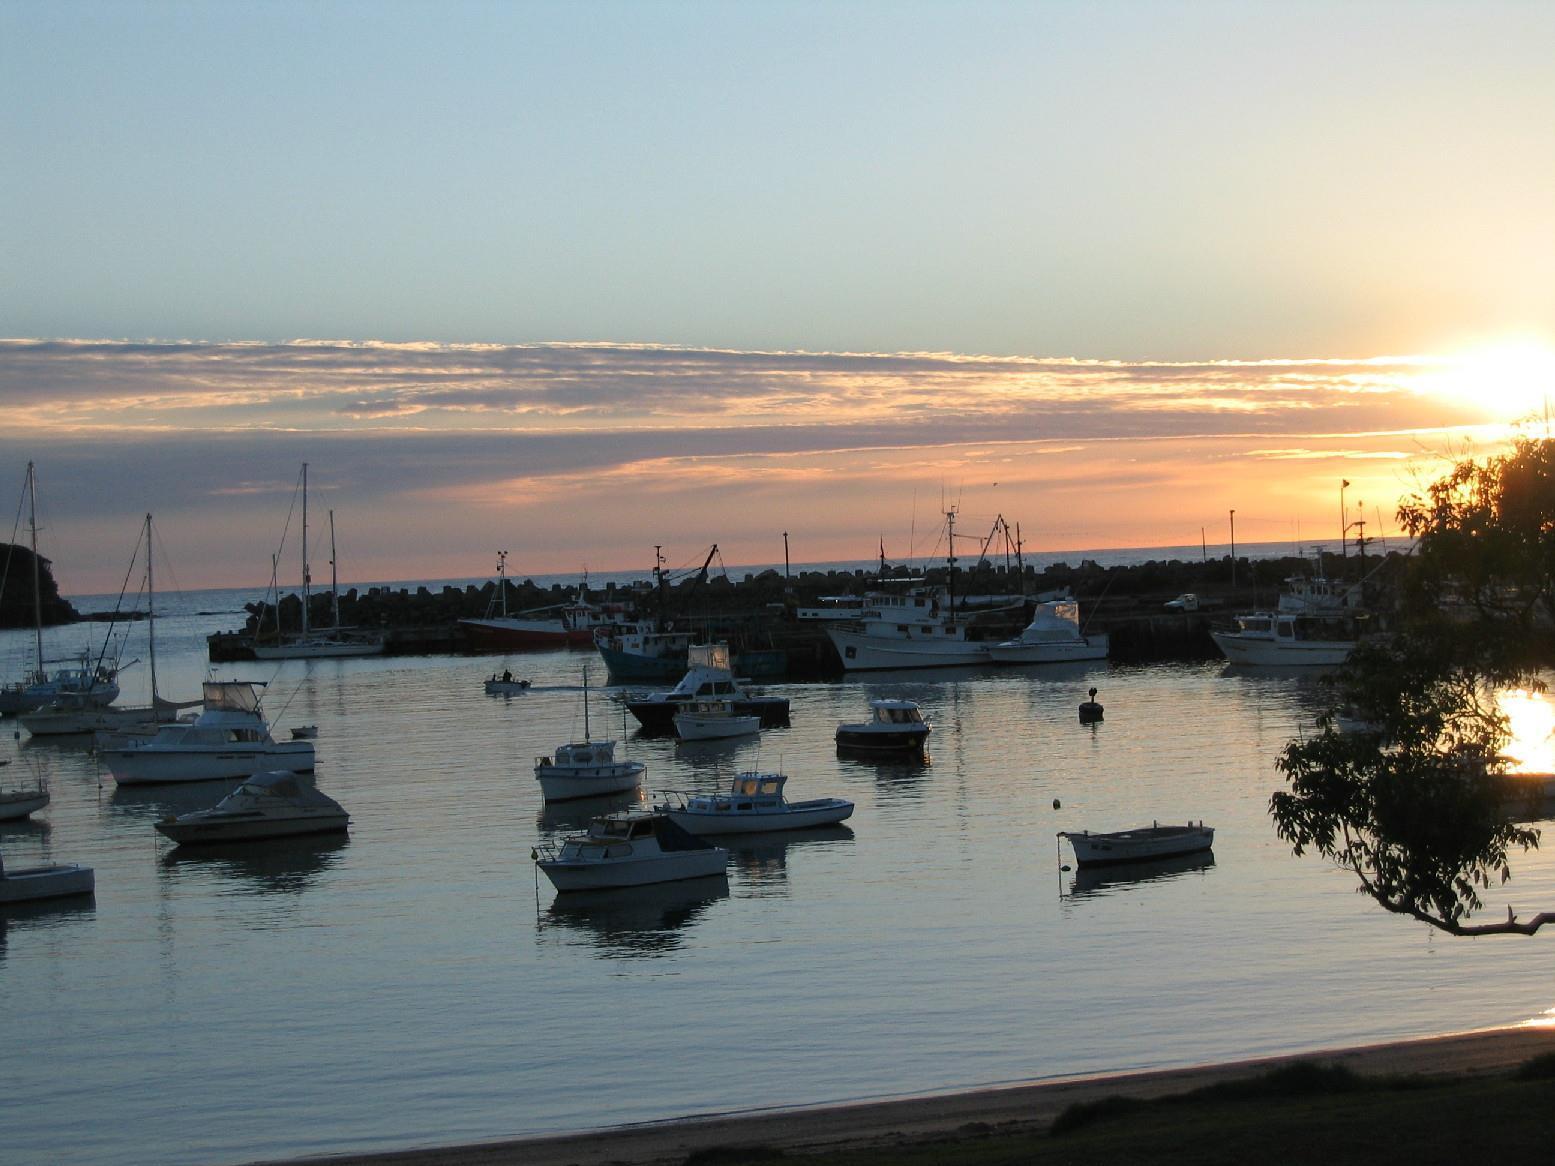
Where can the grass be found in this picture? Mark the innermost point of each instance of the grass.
(1303, 1113)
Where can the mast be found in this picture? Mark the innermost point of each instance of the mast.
(151, 618)
(334, 582)
(37, 573)
(305, 579)
(585, 702)
(950, 558)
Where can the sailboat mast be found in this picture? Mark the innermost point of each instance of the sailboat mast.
(151, 617)
(334, 581)
(950, 557)
(305, 579)
(585, 702)
(37, 573)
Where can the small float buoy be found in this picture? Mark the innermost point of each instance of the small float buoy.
(1090, 711)
(1055, 803)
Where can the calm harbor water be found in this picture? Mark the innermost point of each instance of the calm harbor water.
(415, 984)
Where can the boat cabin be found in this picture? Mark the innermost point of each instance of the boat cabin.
(896, 712)
(580, 753)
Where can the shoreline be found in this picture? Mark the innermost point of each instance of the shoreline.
(902, 1121)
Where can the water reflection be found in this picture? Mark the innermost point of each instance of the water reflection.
(44, 915)
(151, 803)
(267, 866)
(761, 860)
(633, 922)
(1112, 880)
(576, 814)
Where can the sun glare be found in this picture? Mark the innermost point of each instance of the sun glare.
(1511, 382)
(1531, 723)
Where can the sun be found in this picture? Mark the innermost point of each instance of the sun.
(1512, 381)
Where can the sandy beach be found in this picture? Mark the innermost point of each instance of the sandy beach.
(1013, 1108)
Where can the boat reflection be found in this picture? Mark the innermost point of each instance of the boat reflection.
(761, 860)
(1111, 880)
(633, 922)
(149, 803)
(576, 814)
(43, 915)
(266, 866)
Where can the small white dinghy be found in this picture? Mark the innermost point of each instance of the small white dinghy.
(505, 685)
(754, 802)
(1139, 845)
(44, 882)
(16, 804)
(629, 848)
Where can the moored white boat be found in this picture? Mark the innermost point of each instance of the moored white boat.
(229, 739)
(708, 677)
(714, 720)
(1286, 639)
(894, 726)
(586, 768)
(45, 882)
(914, 629)
(753, 803)
(505, 685)
(1052, 637)
(273, 804)
(16, 804)
(630, 848)
(1138, 845)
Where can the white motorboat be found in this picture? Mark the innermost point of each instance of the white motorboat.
(586, 768)
(333, 642)
(1286, 639)
(44, 882)
(1139, 845)
(629, 848)
(714, 720)
(914, 629)
(274, 804)
(894, 726)
(1052, 637)
(708, 677)
(753, 803)
(229, 739)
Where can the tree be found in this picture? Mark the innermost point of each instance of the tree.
(1420, 804)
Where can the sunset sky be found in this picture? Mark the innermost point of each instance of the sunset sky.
(573, 280)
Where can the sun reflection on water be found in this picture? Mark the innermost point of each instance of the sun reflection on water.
(1531, 723)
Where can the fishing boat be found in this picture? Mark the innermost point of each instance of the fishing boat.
(505, 685)
(57, 881)
(94, 684)
(273, 804)
(332, 642)
(229, 739)
(713, 720)
(564, 625)
(894, 726)
(586, 768)
(74, 714)
(753, 803)
(1052, 637)
(641, 653)
(629, 848)
(1288, 639)
(1139, 845)
(708, 677)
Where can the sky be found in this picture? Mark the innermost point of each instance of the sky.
(575, 280)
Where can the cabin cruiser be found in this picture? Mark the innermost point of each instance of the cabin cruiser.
(894, 726)
(754, 802)
(1052, 637)
(713, 720)
(914, 629)
(274, 804)
(229, 739)
(629, 848)
(708, 677)
(1285, 639)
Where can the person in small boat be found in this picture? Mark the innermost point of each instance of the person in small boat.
(507, 676)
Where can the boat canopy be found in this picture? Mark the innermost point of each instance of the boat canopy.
(233, 696)
(758, 784)
(284, 784)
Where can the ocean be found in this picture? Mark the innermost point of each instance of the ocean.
(416, 983)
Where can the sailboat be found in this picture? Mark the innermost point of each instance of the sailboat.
(586, 768)
(97, 685)
(330, 642)
(71, 714)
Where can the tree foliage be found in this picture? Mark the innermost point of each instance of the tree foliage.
(1418, 801)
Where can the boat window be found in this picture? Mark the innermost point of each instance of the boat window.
(641, 829)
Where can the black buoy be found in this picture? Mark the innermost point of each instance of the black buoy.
(1090, 711)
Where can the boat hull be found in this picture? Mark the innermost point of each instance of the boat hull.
(658, 716)
(1059, 652)
(148, 766)
(19, 804)
(627, 667)
(1265, 652)
(46, 882)
(689, 727)
(861, 652)
(192, 829)
(318, 650)
(523, 635)
(561, 783)
(795, 816)
(896, 739)
(672, 867)
(1143, 845)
